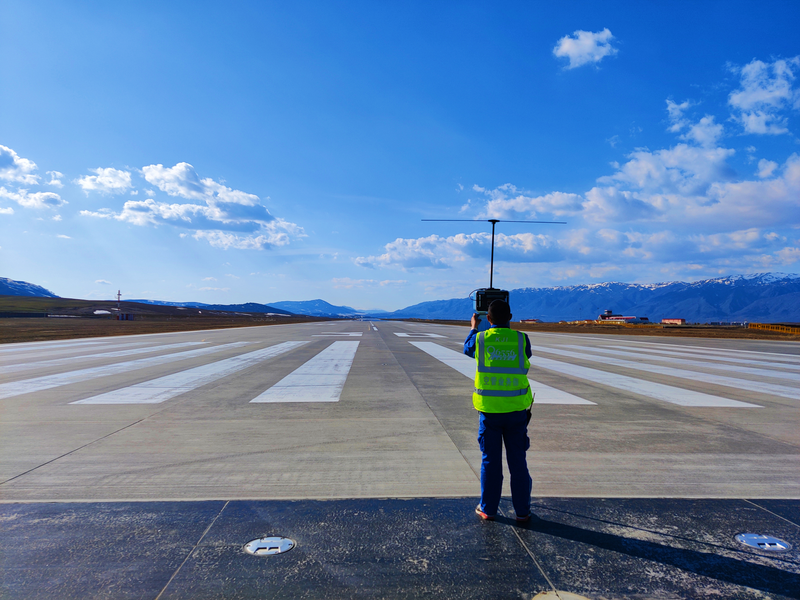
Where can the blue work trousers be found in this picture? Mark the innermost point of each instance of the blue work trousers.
(494, 430)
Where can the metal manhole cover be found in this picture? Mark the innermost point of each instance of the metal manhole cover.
(763, 542)
(269, 546)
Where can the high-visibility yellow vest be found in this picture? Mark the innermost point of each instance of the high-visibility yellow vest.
(501, 378)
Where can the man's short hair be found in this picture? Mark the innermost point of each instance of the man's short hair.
(499, 312)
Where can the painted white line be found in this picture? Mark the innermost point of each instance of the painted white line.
(466, 366)
(659, 391)
(164, 388)
(68, 359)
(65, 353)
(48, 345)
(778, 390)
(719, 355)
(693, 363)
(330, 333)
(37, 384)
(793, 358)
(321, 379)
(417, 335)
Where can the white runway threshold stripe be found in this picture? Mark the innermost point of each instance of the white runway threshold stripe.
(755, 354)
(466, 366)
(55, 362)
(321, 379)
(719, 355)
(37, 384)
(659, 391)
(743, 384)
(164, 388)
(695, 364)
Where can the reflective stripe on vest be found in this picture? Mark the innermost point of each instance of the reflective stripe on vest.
(502, 393)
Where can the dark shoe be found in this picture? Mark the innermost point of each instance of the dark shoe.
(524, 519)
(482, 514)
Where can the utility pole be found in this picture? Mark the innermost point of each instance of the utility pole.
(119, 295)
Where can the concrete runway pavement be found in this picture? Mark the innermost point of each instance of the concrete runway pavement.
(346, 414)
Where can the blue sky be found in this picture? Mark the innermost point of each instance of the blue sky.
(266, 151)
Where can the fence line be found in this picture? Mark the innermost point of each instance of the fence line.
(770, 327)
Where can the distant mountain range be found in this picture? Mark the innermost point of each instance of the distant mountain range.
(249, 307)
(317, 308)
(765, 297)
(759, 297)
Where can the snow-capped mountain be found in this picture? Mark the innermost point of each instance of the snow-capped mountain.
(316, 308)
(9, 287)
(767, 297)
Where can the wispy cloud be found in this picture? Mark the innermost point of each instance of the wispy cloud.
(102, 282)
(349, 283)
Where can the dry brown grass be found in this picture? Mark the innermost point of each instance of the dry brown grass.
(41, 329)
(693, 331)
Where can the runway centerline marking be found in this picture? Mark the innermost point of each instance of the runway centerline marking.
(164, 388)
(37, 384)
(321, 379)
(466, 366)
(416, 335)
(333, 333)
(745, 384)
(68, 359)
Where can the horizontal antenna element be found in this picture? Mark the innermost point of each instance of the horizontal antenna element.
(495, 222)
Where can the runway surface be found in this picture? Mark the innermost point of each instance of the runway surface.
(344, 416)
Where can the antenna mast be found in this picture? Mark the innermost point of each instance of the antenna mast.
(495, 222)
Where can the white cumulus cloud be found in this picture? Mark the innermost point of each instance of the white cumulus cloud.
(509, 202)
(55, 179)
(6, 211)
(585, 47)
(106, 181)
(221, 216)
(16, 169)
(767, 89)
(27, 199)
(766, 168)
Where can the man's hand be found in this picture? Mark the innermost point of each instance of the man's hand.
(475, 320)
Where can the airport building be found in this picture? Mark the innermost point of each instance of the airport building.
(608, 316)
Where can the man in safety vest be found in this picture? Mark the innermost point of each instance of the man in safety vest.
(503, 397)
